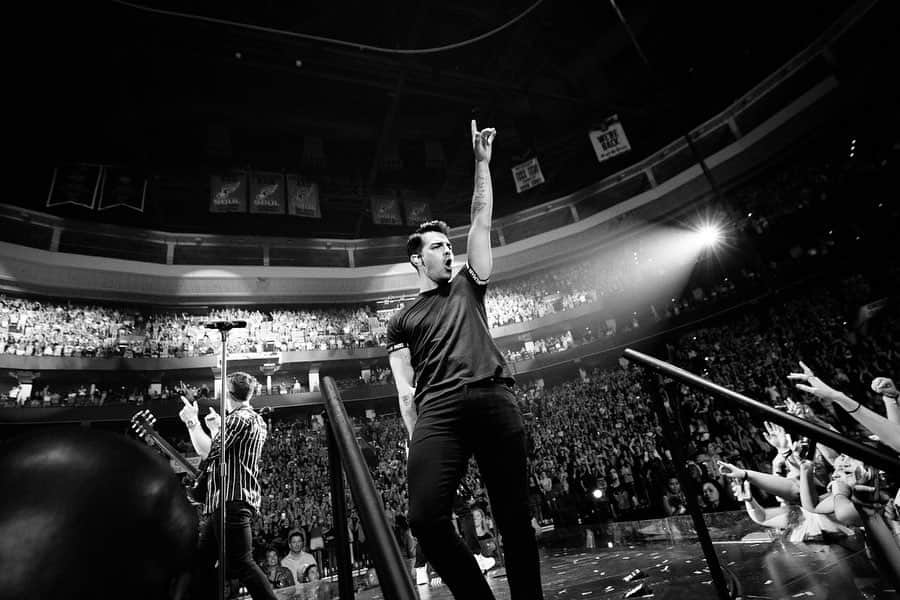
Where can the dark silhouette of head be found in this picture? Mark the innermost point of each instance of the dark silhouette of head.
(73, 500)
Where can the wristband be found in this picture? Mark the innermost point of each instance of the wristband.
(858, 404)
(787, 453)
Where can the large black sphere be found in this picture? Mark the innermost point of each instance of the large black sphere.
(87, 514)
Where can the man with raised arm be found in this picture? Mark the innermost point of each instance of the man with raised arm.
(245, 434)
(456, 400)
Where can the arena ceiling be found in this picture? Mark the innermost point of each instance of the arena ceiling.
(136, 85)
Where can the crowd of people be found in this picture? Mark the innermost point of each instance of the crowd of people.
(596, 447)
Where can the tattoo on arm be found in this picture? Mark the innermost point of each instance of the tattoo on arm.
(482, 192)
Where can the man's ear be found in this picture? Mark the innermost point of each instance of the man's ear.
(416, 260)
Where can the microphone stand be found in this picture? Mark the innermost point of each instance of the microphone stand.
(223, 411)
(223, 327)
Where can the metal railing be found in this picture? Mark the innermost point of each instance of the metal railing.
(344, 451)
(833, 440)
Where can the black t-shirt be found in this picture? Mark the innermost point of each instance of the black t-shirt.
(447, 334)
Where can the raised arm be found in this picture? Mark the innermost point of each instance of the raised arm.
(189, 416)
(771, 484)
(889, 394)
(401, 365)
(479, 242)
(767, 517)
(887, 431)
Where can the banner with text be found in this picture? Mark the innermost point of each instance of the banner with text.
(610, 140)
(267, 194)
(386, 210)
(417, 212)
(228, 193)
(75, 184)
(122, 187)
(303, 198)
(527, 175)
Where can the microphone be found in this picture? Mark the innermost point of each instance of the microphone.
(225, 325)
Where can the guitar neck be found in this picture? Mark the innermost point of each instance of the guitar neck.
(174, 454)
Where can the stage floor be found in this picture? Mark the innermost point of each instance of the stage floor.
(765, 570)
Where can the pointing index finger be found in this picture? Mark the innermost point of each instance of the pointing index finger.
(474, 128)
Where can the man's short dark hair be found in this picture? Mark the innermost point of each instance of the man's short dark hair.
(241, 385)
(296, 533)
(414, 242)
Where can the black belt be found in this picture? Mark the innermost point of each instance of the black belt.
(493, 380)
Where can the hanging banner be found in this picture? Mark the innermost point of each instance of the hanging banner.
(610, 140)
(75, 184)
(386, 210)
(122, 187)
(228, 193)
(527, 175)
(417, 212)
(267, 194)
(303, 198)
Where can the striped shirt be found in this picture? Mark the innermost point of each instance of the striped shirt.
(245, 434)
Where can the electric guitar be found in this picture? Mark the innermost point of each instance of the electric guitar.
(143, 425)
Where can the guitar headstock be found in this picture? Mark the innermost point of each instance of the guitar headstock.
(143, 423)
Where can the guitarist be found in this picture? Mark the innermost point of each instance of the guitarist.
(245, 435)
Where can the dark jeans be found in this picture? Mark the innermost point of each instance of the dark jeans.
(483, 420)
(238, 559)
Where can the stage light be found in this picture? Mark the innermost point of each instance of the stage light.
(709, 234)
(597, 494)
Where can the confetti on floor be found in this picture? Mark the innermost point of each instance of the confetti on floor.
(583, 572)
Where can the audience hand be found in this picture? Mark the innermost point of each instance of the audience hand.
(815, 386)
